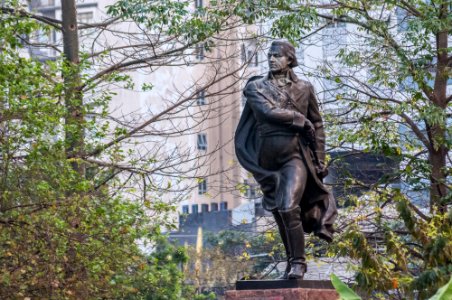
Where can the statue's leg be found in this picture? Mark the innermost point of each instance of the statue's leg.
(295, 239)
(283, 234)
(293, 182)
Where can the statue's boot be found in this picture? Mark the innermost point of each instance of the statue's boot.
(283, 234)
(295, 241)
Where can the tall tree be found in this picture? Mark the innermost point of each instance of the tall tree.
(73, 96)
(79, 186)
(389, 83)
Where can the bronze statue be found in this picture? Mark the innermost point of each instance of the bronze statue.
(280, 139)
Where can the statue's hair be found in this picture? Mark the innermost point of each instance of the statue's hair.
(288, 49)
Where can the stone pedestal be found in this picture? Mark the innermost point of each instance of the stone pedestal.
(283, 290)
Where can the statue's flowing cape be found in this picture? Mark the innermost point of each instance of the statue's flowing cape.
(318, 206)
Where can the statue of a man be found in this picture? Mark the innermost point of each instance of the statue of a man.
(280, 139)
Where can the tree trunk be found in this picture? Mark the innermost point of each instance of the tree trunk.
(438, 187)
(74, 132)
(437, 132)
(73, 95)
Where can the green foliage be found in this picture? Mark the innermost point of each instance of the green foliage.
(241, 247)
(64, 234)
(161, 276)
(171, 17)
(391, 82)
(344, 291)
(392, 243)
(444, 293)
(209, 296)
(228, 256)
(14, 28)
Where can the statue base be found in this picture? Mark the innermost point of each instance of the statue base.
(283, 290)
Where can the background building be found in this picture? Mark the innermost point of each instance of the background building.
(204, 180)
(197, 137)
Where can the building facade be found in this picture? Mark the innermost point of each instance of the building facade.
(196, 136)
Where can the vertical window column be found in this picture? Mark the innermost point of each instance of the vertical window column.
(202, 186)
(224, 205)
(198, 4)
(201, 97)
(202, 141)
(199, 51)
(250, 191)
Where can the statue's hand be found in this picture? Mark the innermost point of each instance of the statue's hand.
(321, 170)
(309, 131)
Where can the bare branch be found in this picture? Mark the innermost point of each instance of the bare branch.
(98, 25)
(157, 116)
(46, 20)
(411, 9)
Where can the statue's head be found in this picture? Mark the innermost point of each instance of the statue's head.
(281, 56)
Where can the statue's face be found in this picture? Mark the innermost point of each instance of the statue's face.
(278, 61)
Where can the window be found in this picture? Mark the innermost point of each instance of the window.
(214, 206)
(202, 141)
(253, 59)
(224, 205)
(185, 209)
(199, 51)
(243, 53)
(201, 97)
(85, 17)
(198, 3)
(194, 209)
(250, 189)
(204, 207)
(44, 37)
(202, 186)
(249, 56)
(47, 3)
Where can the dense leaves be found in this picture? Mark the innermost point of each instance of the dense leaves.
(387, 83)
(61, 236)
(65, 234)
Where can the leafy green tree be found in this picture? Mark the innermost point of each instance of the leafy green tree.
(390, 79)
(233, 254)
(162, 276)
(71, 218)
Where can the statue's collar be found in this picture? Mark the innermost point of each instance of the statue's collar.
(290, 76)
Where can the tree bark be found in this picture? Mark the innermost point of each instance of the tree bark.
(438, 187)
(73, 95)
(437, 132)
(74, 130)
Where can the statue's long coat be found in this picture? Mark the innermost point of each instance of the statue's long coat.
(317, 204)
